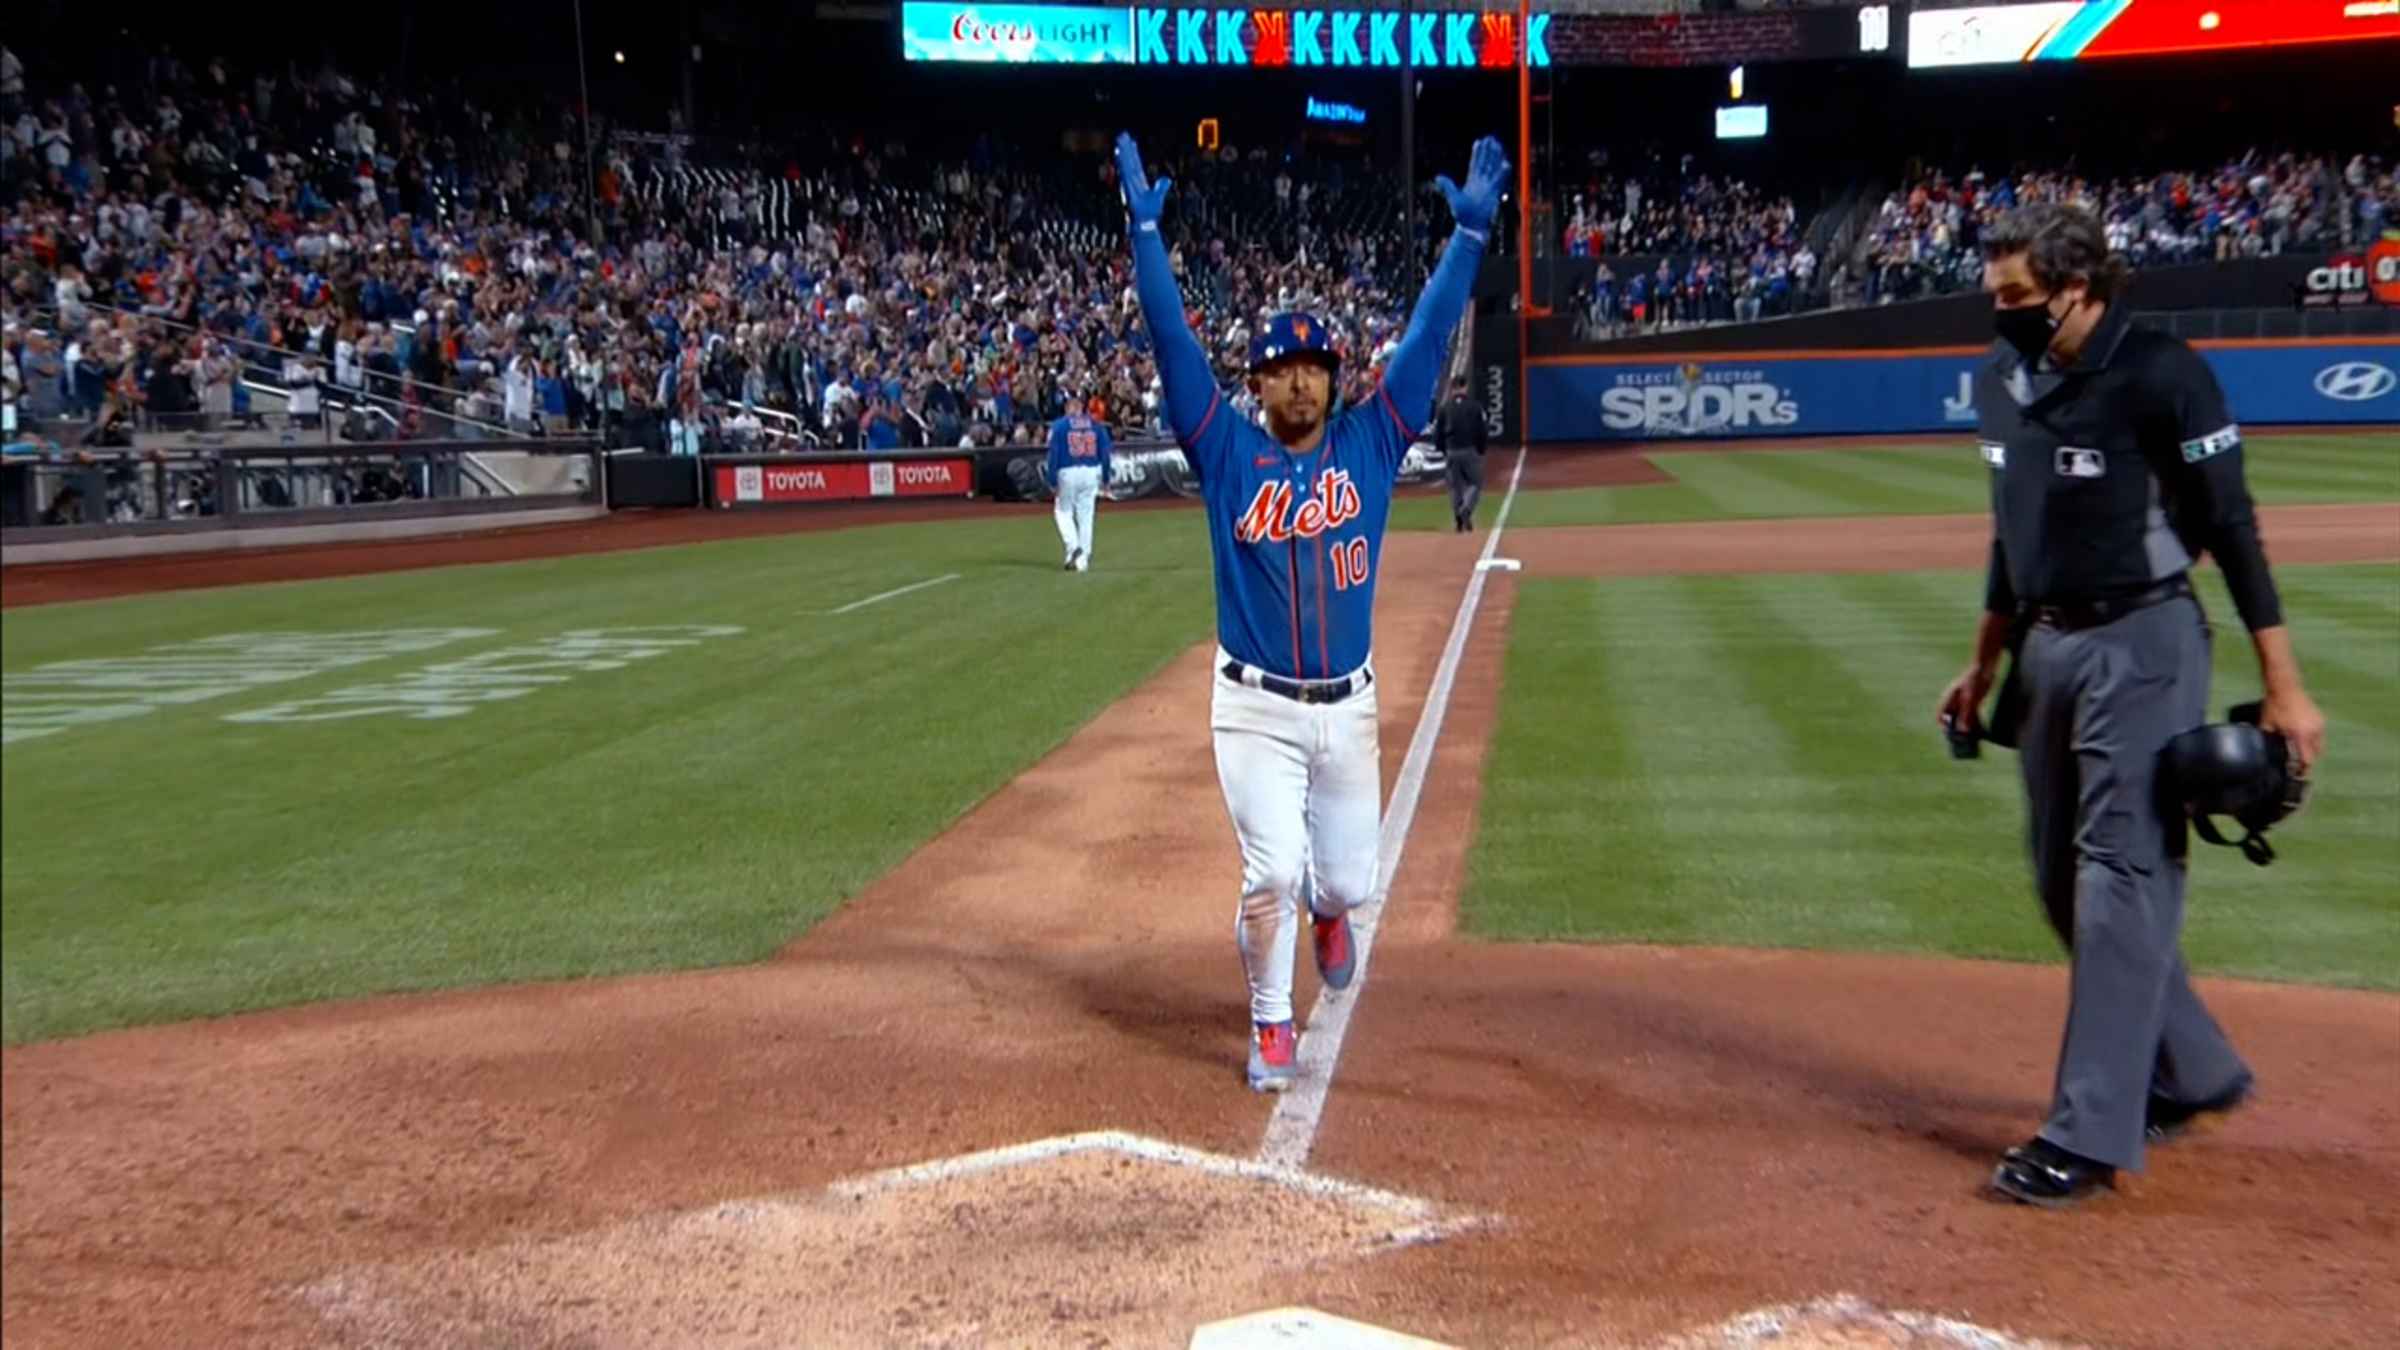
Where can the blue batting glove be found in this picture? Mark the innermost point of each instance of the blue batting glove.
(1143, 198)
(1475, 205)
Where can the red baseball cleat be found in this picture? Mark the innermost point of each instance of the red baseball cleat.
(1271, 1056)
(1337, 955)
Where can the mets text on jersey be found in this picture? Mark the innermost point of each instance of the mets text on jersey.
(1271, 519)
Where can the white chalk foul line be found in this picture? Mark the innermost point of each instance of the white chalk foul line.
(1426, 1223)
(887, 595)
(1292, 1127)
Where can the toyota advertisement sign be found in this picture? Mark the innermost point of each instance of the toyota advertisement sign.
(801, 479)
(2303, 382)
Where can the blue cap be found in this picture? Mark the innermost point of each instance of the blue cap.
(1293, 334)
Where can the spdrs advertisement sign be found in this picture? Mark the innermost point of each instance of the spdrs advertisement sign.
(2267, 383)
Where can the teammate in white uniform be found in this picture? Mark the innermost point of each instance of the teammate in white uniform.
(1296, 514)
(1079, 465)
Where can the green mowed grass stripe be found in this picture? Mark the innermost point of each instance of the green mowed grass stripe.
(2302, 483)
(1852, 866)
(1912, 477)
(1827, 684)
(1959, 826)
(1940, 481)
(2368, 452)
(1643, 504)
(1679, 754)
(1575, 763)
(696, 808)
(2323, 911)
(1766, 483)
(2355, 605)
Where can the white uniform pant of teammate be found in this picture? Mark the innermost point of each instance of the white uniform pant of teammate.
(1078, 494)
(1304, 785)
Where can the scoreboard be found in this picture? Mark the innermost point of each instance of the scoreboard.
(1383, 36)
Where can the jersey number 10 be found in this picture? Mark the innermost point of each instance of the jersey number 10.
(1350, 564)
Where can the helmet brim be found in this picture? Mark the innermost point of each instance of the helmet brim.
(1314, 355)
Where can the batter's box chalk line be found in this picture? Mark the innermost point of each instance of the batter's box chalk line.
(1848, 1320)
(1423, 1221)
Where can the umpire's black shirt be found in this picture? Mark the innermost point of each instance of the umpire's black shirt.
(2115, 473)
(1459, 426)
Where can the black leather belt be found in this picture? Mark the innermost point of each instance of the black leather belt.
(1301, 691)
(2074, 614)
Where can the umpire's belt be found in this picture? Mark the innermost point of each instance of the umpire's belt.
(2073, 614)
(1299, 691)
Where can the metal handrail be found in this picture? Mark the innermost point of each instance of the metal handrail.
(344, 394)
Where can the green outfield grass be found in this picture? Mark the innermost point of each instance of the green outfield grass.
(1909, 477)
(1752, 760)
(696, 808)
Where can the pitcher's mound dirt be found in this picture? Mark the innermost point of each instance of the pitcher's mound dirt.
(1093, 1246)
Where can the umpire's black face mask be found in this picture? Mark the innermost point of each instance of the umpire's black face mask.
(2028, 328)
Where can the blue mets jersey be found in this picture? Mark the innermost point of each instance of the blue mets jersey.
(1078, 442)
(1297, 538)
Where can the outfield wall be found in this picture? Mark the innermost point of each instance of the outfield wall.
(2345, 382)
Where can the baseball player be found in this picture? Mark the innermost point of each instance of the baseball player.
(1079, 463)
(1296, 514)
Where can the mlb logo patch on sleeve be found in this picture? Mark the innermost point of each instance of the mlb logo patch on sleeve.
(2216, 442)
(1994, 453)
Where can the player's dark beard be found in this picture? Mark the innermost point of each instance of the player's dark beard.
(1289, 429)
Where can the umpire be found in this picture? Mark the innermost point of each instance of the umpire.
(1458, 434)
(2115, 464)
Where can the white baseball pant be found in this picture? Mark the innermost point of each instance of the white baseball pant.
(1304, 785)
(1078, 495)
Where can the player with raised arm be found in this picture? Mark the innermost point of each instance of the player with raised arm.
(1296, 514)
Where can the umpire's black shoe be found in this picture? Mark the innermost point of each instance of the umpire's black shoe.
(2171, 1120)
(2038, 1172)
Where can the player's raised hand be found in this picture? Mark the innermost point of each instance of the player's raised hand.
(1474, 205)
(1143, 198)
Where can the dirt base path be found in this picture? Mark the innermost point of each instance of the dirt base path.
(1619, 1143)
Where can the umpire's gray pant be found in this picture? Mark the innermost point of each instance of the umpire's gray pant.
(2109, 861)
(1466, 483)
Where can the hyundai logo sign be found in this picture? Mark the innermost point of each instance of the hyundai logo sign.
(2356, 381)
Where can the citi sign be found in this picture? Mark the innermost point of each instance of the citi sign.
(1315, 37)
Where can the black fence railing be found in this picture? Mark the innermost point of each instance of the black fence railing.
(73, 493)
(2201, 325)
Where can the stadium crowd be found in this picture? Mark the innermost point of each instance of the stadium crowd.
(431, 254)
(1923, 240)
(1726, 250)
(175, 239)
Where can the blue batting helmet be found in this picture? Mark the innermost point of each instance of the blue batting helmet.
(1293, 334)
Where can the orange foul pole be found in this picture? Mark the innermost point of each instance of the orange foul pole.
(1525, 162)
(1525, 308)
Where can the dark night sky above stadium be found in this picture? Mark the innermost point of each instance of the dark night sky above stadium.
(766, 66)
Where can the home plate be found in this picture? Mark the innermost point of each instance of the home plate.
(1106, 1236)
(1302, 1329)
